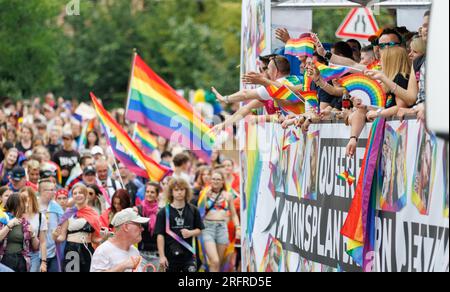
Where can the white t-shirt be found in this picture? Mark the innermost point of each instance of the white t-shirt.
(108, 256)
(34, 222)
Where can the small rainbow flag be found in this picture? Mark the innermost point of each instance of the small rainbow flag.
(286, 100)
(311, 99)
(300, 47)
(347, 176)
(307, 81)
(291, 138)
(376, 65)
(126, 150)
(331, 72)
(373, 89)
(148, 141)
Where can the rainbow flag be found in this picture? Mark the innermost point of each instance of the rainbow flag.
(347, 176)
(126, 150)
(307, 81)
(376, 65)
(286, 100)
(153, 103)
(283, 93)
(331, 72)
(148, 141)
(300, 47)
(359, 227)
(311, 99)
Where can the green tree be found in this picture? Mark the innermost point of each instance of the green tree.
(29, 47)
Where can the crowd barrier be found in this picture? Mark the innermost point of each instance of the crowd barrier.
(294, 204)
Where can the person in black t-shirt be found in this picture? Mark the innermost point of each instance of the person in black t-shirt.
(185, 224)
(66, 158)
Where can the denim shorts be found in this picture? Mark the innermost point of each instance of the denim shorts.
(216, 231)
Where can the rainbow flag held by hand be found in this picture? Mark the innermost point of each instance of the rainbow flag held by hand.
(311, 99)
(126, 150)
(376, 65)
(286, 100)
(331, 72)
(153, 103)
(147, 140)
(303, 47)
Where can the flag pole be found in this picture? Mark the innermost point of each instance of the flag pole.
(117, 166)
(133, 59)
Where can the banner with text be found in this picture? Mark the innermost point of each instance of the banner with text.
(295, 201)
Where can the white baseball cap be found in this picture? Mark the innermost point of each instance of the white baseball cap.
(128, 215)
(97, 150)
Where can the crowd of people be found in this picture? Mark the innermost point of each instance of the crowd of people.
(66, 203)
(396, 58)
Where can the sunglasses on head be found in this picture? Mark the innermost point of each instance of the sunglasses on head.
(388, 45)
(275, 60)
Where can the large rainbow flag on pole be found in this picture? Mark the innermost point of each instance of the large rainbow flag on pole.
(153, 103)
(126, 150)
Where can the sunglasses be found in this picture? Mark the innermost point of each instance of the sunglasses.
(275, 60)
(388, 45)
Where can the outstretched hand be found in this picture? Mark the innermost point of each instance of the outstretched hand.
(218, 95)
(253, 78)
(282, 34)
(319, 47)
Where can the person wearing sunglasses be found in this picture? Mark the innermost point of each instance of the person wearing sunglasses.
(414, 95)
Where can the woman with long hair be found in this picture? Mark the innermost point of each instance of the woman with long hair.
(396, 68)
(11, 160)
(26, 138)
(201, 180)
(92, 140)
(17, 239)
(217, 208)
(39, 226)
(120, 200)
(96, 199)
(80, 228)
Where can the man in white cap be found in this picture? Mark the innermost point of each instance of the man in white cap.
(97, 153)
(118, 253)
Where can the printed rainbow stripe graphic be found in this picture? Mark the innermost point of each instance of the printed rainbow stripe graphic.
(291, 138)
(331, 72)
(254, 169)
(125, 149)
(153, 103)
(303, 47)
(148, 141)
(360, 82)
